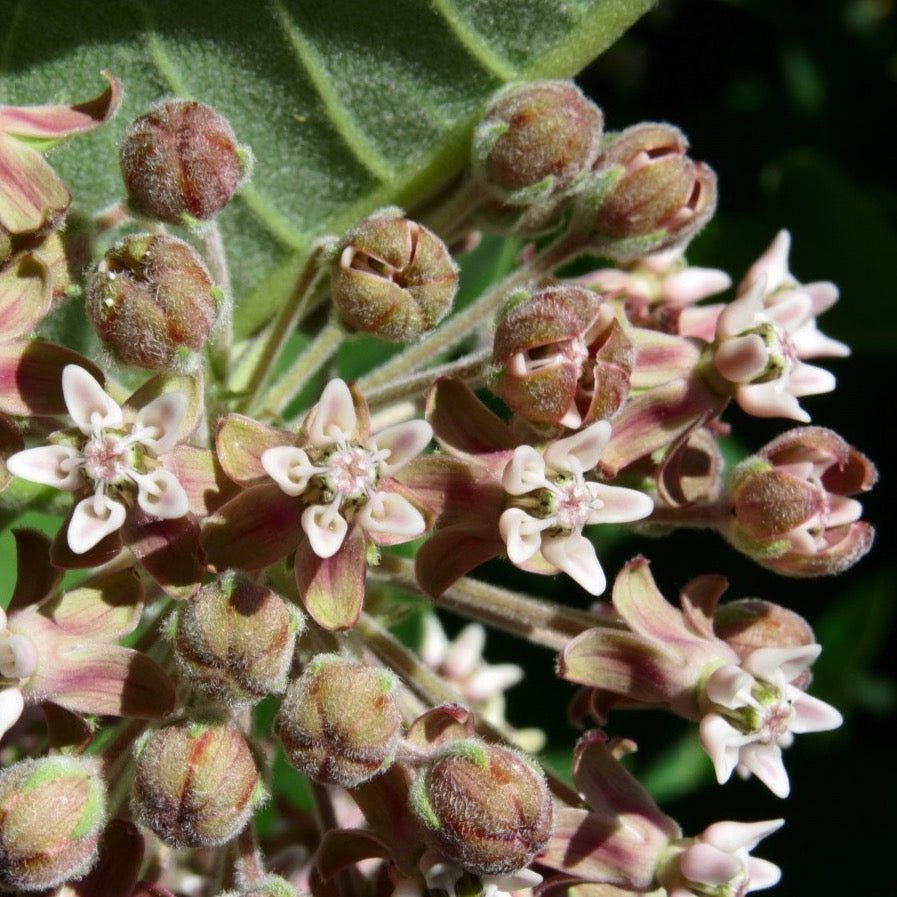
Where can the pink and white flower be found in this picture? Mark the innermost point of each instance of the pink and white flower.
(18, 660)
(752, 712)
(117, 462)
(551, 502)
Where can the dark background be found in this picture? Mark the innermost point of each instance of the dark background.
(794, 105)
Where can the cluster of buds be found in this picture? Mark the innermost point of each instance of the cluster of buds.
(288, 546)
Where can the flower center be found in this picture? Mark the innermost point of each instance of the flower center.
(572, 504)
(353, 472)
(107, 457)
(781, 349)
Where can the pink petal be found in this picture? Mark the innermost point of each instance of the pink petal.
(581, 451)
(11, 706)
(450, 553)
(661, 357)
(699, 321)
(708, 865)
(791, 662)
(823, 295)
(46, 465)
(765, 762)
(290, 468)
(403, 442)
(199, 471)
(106, 609)
(188, 385)
(791, 309)
(160, 494)
(465, 652)
(88, 527)
(575, 555)
(334, 416)
(619, 505)
(493, 680)
(163, 415)
(773, 264)
(240, 444)
(741, 358)
(391, 515)
(762, 874)
(521, 533)
(742, 313)
(693, 284)
(32, 196)
(770, 400)
(732, 836)
(88, 404)
(524, 472)
(434, 642)
(812, 715)
(809, 380)
(810, 342)
(26, 290)
(325, 527)
(717, 738)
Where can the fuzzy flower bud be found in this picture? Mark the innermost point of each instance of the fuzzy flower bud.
(536, 140)
(648, 195)
(266, 886)
(196, 785)
(484, 806)
(234, 640)
(339, 722)
(791, 506)
(52, 812)
(562, 357)
(181, 159)
(393, 278)
(151, 300)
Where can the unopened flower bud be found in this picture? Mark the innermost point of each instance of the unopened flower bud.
(791, 509)
(562, 357)
(266, 886)
(151, 301)
(484, 806)
(234, 640)
(339, 722)
(196, 785)
(648, 194)
(393, 278)
(536, 140)
(52, 811)
(181, 159)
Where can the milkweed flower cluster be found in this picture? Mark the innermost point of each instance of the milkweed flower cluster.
(256, 554)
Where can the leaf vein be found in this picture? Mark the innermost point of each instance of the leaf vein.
(473, 41)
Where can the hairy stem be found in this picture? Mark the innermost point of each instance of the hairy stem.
(222, 336)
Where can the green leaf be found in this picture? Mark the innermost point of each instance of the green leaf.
(347, 105)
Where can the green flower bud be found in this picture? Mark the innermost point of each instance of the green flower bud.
(484, 806)
(181, 159)
(234, 640)
(339, 722)
(52, 811)
(196, 785)
(267, 886)
(393, 278)
(151, 301)
(535, 141)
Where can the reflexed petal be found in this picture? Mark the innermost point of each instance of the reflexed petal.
(773, 264)
(524, 472)
(619, 505)
(465, 652)
(762, 874)
(742, 313)
(164, 415)
(741, 358)
(334, 415)
(769, 400)
(765, 762)
(811, 714)
(728, 686)
(290, 468)
(32, 196)
(764, 663)
(709, 865)
(579, 452)
(11, 706)
(25, 295)
(434, 642)
(87, 402)
(44, 465)
(160, 494)
(694, 284)
(575, 555)
(717, 738)
(240, 443)
(809, 380)
(732, 836)
(810, 342)
(492, 680)
(403, 442)
(791, 309)
(87, 527)
(326, 528)
(391, 514)
(169, 551)
(521, 533)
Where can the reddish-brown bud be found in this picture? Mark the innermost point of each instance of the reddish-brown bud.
(647, 194)
(791, 509)
(536, 140)
(484, 806)
(393, 278)
(234, 640)
(181, 159)
(52, 812)
(561, 357)
(196, 785)
(151, 301)
(339, 722)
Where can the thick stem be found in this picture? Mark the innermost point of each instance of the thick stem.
(222, 336)
(249, 860)
(475, 315)
(321, 349)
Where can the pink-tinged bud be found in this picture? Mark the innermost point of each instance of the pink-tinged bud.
(536, 140)
(393, 278)
(181, 159)
(151, 301)
(791, 509)
(648, 195)
(562, 357)
(52, 812)
(234, 640)
(484, 806)
(196, 785)
(339, 722)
